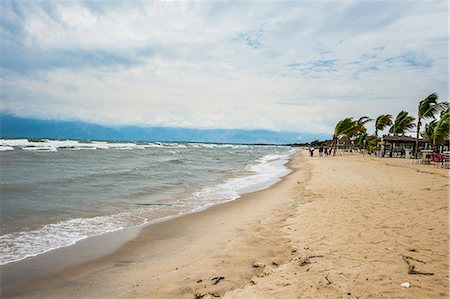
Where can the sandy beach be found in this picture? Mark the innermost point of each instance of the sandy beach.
(349, 226)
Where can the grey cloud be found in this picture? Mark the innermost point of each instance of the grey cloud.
(282, 64)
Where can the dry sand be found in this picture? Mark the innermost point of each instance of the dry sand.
(337, 227)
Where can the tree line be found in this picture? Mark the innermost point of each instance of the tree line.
(436, 132)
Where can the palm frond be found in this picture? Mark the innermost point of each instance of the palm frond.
(441, 129)
(382, 122)
(428, 107)
(403, 123)
(429, 131)
(363, 120)
(343, 127)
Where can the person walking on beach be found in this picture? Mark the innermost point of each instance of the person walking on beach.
(321, 150)
(311, 151)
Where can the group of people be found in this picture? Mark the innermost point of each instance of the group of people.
(323, 150)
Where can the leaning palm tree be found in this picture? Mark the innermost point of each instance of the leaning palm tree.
(350, 128)
(428, 107)
(359, 130)
(402, 124)
(382, 122)
(343, 127)
(442, 128)
(359, 125)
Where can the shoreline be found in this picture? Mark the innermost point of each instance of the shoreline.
(89, 196)
(334, 226)
(88, 250)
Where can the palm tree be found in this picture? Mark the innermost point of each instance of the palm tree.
(371, 143)
(350, 128)
(368, 142)
(429, 131)
(402, 124)
(359, 131)
(343, 127)
(382, 122)
(359, 125)
(441, 128)
(428, 107)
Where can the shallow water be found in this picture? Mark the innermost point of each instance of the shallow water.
(55, 193)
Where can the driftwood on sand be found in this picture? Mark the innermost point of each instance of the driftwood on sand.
(412, 267)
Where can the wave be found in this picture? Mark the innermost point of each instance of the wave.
(20, 245)
(174, 161)
(6, 148)
(40, 148)
(261, 173)
(47, 145)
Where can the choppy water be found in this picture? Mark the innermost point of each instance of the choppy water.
(55, 193)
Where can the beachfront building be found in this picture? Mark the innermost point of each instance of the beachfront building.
(401, 146)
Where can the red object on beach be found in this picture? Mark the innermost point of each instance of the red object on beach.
(437, 158)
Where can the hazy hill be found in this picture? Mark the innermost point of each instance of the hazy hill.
(12, 126)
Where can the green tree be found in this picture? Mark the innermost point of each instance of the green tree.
(343, 128)
(368, 142)
(429, 131)
(382, 122)
(441, 128)
(350, 128)
(402, 124)
(359, 125)
(428, 107)
(371, 143)
(359, 131)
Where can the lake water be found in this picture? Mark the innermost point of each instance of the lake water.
(56, 193)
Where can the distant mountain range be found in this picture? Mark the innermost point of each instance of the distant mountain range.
(18, 127)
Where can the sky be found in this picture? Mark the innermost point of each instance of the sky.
(296, 66)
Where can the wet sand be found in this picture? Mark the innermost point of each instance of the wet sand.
(337, 227)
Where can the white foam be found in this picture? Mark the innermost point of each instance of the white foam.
(14, 142)
(261, 175)
(6, 148)
(214, 145)
(206, 145)
(54, 145)
(81, 148)
(45, 148)
(20, 245)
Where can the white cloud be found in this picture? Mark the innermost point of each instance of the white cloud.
(283, 66)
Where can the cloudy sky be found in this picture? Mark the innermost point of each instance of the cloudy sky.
(289, 66)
